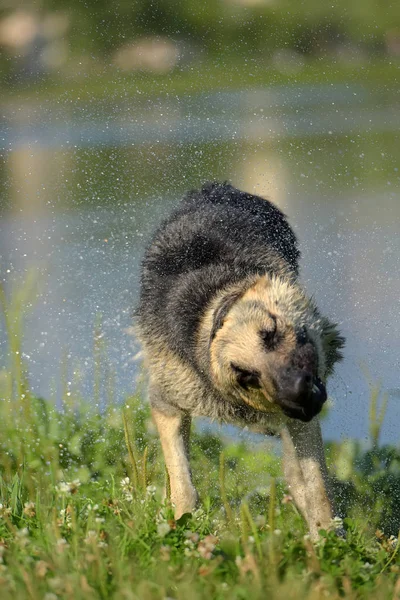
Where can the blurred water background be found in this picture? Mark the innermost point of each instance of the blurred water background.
(109, 113)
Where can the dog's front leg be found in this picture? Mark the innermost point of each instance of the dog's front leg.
(174, 433)
(309, 462)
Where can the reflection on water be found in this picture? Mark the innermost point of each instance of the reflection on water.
(82, 191)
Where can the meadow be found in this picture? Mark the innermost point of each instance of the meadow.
(83, 513)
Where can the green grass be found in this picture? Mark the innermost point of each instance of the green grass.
(222, 73)
(82, 513)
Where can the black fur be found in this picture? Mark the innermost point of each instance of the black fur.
(216, 237)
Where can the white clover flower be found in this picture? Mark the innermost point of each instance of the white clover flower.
(260, 520)
(151, 490)
(29, 509)
(192, 536)
(277, 532)
(393, 541)
(22, 533)
(68, 487)
(65, 518)
(91, 537)
(127, 489)
(62, 487)
(99, 519)
(336, 523)
(125, 483)
(5, 511)
(22, 537)
(163, 529)
(207, 546)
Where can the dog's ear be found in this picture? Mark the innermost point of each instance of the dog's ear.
(332, 343)
(222, 310)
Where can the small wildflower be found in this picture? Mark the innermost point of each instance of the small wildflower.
(260, 520)
(336, 523)
(224, 586)
(65, 517)
(113, 504)
(29, 509)
(151, 491)
(127, 489)
(192, 536)
(22, 537)
(125, 482)
(91, 537)
(68, 487)
(277, 532)
(393, 541)
(163, 529)
(62, 487)
(287, 499)
(99, 519)
(50, 596)
(5, 511)
(207, 546)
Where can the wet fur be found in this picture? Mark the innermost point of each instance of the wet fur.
(222, 265)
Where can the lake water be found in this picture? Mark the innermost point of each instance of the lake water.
(83, 186)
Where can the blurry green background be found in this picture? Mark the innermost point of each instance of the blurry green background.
(75, 39)
(111, 111)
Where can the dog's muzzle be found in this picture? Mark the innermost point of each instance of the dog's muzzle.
(301, 396)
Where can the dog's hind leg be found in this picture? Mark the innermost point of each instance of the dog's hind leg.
(174, 433)
(307, 453)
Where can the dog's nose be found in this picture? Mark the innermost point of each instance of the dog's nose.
(302, 385)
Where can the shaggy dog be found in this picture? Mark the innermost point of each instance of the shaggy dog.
(229, 333)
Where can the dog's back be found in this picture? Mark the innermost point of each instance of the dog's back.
(216, 236)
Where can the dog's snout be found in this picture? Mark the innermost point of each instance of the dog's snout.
(301, 395)
(297, 387)
(302, 384)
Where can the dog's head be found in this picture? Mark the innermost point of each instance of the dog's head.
(270, 348)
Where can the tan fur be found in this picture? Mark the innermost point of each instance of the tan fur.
(238, 340)
(178, 391)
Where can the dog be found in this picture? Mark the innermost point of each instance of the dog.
(229, 333)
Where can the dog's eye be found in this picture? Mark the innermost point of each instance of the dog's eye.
(268, 336)
(246, 379)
